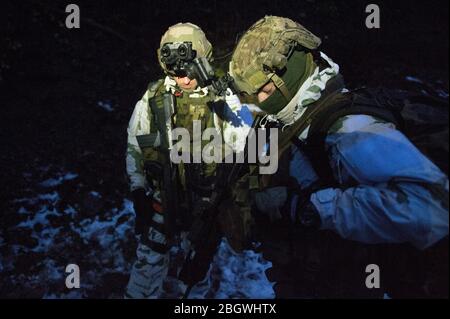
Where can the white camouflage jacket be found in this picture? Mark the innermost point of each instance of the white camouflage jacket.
(234, 126)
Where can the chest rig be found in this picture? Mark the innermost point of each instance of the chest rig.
(192, 180)
(197, 177)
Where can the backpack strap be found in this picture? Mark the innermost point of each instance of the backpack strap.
(330, 95)
(152, 89)
(370, 102)
(154, 138)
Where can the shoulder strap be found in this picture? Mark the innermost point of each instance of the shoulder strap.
(153, 139)
(356, 102)
(331, 96)
(371, 102)
(152, 89)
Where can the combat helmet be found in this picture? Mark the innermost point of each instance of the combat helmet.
(264, 50)
(186, 32)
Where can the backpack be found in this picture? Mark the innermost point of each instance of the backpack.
(423, 118)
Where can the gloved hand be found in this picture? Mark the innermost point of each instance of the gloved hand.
(144, 211)
(308, 216)
(302, 211)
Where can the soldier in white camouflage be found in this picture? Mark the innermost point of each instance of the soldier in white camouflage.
(351, 169)
(150, 276)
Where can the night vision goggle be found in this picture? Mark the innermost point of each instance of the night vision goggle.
(181, 60)
(176, 56)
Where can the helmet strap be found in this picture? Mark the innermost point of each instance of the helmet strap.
(279, 83)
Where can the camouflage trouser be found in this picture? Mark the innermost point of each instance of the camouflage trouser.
(149, 274)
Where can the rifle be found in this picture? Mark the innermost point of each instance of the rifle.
(200, 69)
(169, 177)
(201, 233)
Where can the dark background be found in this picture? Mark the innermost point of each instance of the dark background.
(52, 78)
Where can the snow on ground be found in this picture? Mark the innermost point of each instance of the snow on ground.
(240, 276)
(413, 79)
(52, 182)
(437, 88)
(56, 233)
(106, 106)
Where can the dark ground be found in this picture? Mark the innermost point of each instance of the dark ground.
(52, 80)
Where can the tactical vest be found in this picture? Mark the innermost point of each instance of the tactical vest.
(194, 177)
(198, 177)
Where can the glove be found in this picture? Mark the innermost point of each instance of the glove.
(308, 216)
(144, 211)
(303, 212)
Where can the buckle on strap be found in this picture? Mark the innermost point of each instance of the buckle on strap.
(279, 83)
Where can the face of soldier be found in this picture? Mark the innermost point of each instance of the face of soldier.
(186, 83)
(266, 91)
